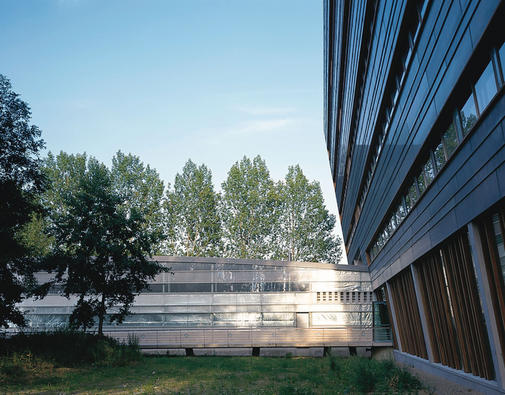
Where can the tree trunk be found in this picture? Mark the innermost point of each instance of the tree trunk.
(101, 316)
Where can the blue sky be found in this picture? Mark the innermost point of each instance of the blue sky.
(170, 80)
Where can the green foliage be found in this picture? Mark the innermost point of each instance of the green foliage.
(21, 181)
(201, 375)
(305, 226)
(363, 375)
(140, 188)
(101, 244)
(191, 213)
(249, 210)
(468, 121)
(24, 355)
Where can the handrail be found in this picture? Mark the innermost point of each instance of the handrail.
(254, 337)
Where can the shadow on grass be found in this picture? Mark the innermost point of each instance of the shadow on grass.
(76, 362)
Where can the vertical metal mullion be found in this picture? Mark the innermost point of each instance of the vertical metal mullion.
(483, 280)
(422, 312)
(391, 303)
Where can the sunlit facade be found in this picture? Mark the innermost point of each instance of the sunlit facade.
(415, 129)
(204, 296)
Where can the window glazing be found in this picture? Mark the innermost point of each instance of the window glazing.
(501, 55)
(450, 139)
(499, 242)
(485, 88)
(468, 115)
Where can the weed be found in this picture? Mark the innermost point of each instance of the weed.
(101, 369)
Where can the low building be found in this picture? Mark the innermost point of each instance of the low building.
(210, 304)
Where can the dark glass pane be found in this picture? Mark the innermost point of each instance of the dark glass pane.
(485, 88)
(400, 212)
(499, 242)
(413, 193)
(380, 242)
(199, 287)
(385, 235)
(392, 224)
(439, 156)
(158, 288)
(408, 202)
(501, 55)
(178, 288)
(421, 183)
(468, 115)
(429, 173)
(450, 140)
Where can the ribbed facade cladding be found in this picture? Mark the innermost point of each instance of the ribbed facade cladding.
(235, 293)
(417, 152)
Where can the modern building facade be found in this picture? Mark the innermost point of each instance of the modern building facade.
(218, 303)
(414, 118)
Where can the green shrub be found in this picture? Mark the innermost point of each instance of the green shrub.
(72, 348)
(363, 375)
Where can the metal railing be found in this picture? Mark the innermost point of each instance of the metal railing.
(275, 337)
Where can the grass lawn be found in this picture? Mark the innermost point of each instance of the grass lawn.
(209, 375)
(113, 369)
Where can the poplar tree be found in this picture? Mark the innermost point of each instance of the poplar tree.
(192, 219)
(306, 228)
(249, 210)
(140, 188)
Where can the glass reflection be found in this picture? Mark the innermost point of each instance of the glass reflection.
(468, 115)
(485, 88)
(450, 140)
(220, 295)
(501, 54)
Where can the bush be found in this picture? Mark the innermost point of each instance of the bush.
(71, 348)
(367, 375)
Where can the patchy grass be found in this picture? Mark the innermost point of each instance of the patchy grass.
(28, 372)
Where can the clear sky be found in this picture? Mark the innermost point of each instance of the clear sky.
(169, 80)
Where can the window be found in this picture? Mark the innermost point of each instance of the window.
(392, 225)
(439, 156)
(468, 115)
(413, 193)
(429, 172)
(400, 212)
(485, 88)
(501, 56)
(450, 140)
(421, 184)
(499, 242)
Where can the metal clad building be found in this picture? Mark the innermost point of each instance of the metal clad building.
(218, 302)
(414, 121)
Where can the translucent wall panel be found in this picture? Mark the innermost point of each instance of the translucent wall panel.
(231, 294)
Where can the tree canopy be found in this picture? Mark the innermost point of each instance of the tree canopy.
(101, 250)
(191, 209)
(305, 226)
(249, 210)
(20, 182)
(140, 188)
(96, 227)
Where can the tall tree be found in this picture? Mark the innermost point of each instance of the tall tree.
(306, 227)
(100, 250)
(64, 172)
(249, 210)
(20, 183)
(140, 188)
(191, 213)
